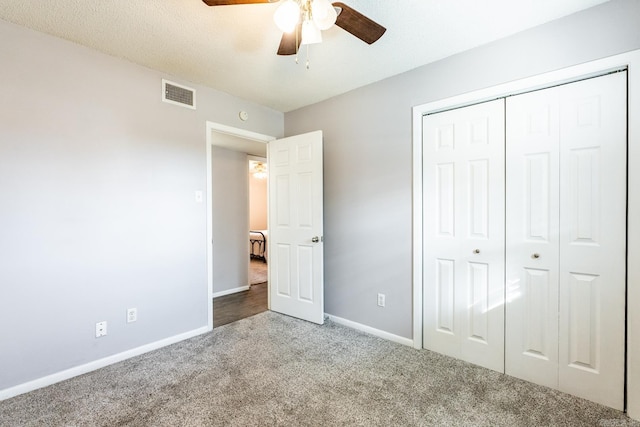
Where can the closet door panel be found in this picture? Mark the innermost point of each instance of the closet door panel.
(442, 207)
(445, 309)
(478, 276)
(532, 222)
(464, 233)
(445, 189)
(535, 336)
(593, 239)
(565, 238)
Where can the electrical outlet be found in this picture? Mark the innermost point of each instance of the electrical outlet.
(381, 300)
(101, 329)
(132, 315)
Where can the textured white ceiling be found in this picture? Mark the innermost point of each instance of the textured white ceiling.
(233, 48)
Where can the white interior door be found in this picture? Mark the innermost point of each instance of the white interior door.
(463, 266)
(296, 286)
(566, 238)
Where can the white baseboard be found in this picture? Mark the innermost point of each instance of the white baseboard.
(373, 331)
(96, 364)
(231, 291)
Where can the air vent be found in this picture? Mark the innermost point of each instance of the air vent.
(176, 94)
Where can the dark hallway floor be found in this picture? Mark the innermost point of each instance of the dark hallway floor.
(229, 308)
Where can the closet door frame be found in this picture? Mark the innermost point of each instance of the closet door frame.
(629, 61)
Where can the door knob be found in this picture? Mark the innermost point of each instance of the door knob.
(476, 251)
(315, 239)
(535, 256)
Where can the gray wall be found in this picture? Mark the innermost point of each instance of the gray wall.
(97, 214)
(367, 152)
(230, 203)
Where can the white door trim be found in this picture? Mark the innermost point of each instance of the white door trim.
(212, 130)
(630, 61)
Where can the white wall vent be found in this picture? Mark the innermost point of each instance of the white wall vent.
(176, 94)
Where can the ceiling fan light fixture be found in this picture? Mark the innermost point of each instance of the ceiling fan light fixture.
(324, 15)
(287, 15)
(311, 34)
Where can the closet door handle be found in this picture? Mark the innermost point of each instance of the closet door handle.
(315, 239)
(535, 256)
(476, 251)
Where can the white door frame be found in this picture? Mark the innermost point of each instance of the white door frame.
(214, 130)
(629, 61)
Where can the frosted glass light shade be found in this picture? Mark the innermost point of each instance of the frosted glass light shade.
(319, 9)
(287, 16)
(324, 15)
(310, 33)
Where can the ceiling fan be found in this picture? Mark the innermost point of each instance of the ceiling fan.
(302, 21)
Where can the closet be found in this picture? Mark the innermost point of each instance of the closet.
(524, 239)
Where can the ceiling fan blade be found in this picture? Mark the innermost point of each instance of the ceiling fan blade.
(231, 2)
(290, 42)
(357, 24)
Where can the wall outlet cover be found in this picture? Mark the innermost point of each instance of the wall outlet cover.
(101, 329)
(132, 315)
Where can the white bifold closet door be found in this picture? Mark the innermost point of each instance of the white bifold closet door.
(566, 238)
(463, 265)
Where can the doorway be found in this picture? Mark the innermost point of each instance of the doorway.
(251, 299)
(238, 144)
(295, 219)
(258, 228)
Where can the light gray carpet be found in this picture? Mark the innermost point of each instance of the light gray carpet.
(272, 370)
